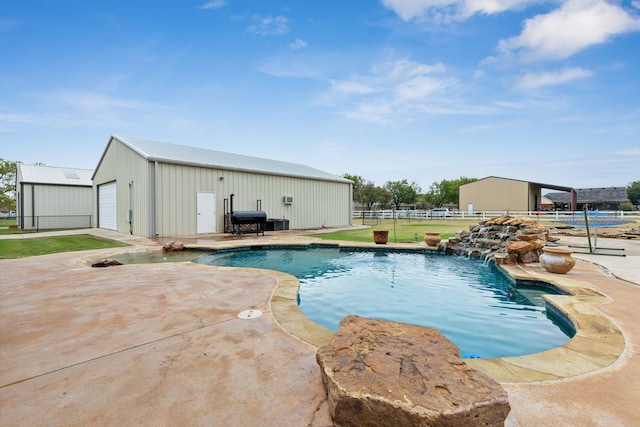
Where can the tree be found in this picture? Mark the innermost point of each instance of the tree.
(358, 183)
(402, 192)
(633, 192)
(627, 206)
(8, 172)
(446, 191)
(373, 195)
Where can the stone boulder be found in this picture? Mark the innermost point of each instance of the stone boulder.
(173, 246)
(106, 263)
(381, 373)
(521, 246)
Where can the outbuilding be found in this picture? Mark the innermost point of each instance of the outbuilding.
(503, 194)
(153, 189)
(53, 197)
(605, 198)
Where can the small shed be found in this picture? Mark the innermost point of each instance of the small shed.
(151, 189)
(504, 194)
(50, 197)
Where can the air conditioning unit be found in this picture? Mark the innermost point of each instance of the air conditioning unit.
(287, 200)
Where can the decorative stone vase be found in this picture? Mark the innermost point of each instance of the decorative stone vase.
(380, 237)
(432, 238)
(557, 260)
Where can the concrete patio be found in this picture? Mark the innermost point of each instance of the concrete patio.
(162, 344)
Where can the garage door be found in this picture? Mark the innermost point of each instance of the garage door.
(107, 206)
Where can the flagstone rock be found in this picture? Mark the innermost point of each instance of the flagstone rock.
(381, 373)
(174, 245)
(106, 263)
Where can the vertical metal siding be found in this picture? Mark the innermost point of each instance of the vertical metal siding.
(495, 194)
(54, 200)
(123, 165)
(316, 203)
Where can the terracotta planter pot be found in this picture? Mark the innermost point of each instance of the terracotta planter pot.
(557, 260)
(380, 237)
(432, 238)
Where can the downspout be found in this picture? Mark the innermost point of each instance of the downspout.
(21, 201)
(33, 206)
(351, 204)
(130, 212)
(155, 198)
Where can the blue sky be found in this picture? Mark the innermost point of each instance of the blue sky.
(423, 90)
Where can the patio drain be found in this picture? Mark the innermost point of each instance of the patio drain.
(249, 314)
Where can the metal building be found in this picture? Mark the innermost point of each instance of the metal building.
(150, 188)
(53, 197)
(504, 194)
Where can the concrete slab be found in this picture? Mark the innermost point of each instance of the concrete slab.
(163, 345)
(148, 345)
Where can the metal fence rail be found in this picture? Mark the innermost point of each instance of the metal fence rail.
(425, 215)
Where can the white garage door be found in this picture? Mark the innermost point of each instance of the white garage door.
(107, 206)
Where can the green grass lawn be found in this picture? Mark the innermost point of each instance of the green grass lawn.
(403, 231)
(20, 248)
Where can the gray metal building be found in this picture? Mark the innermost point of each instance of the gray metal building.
(53, 197)
(150, 188)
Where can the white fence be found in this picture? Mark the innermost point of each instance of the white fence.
(426, 215)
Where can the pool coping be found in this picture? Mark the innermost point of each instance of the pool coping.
(597, 344)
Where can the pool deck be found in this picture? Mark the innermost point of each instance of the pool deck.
(162, 344)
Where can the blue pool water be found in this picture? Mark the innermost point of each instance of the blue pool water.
(472, 304)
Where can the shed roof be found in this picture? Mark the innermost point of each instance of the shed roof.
(538, 184)
(39, 174)
(604, 194)
(193, 156)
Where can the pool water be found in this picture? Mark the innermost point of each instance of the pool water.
(472, 304)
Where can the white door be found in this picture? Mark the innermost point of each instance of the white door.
(107, 206)
(470, 208)
(206, 221)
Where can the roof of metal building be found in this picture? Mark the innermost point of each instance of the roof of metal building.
(605, 194)
(538, 184)
(39, 174)
(194, 156)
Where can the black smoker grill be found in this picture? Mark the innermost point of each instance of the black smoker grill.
(241, 219)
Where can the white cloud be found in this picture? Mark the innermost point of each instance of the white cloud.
(95, 101)
(215, 4)
(298, 44)
(20, 118)
(576, 25)
(269, 26)
(352, 88)
(405, 68)
(453, 9)
(391, 92)
(550, 78)
(631, 152)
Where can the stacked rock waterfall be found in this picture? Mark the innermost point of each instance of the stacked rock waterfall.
(503, 240)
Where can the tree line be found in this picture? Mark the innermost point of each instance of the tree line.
(397, 194)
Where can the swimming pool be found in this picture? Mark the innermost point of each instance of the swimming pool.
(472, 304)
